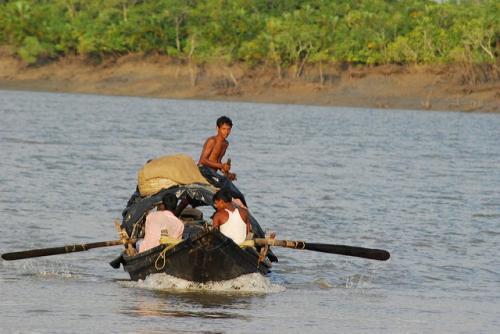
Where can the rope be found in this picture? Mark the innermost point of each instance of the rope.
(300, 245)
(247, 243)
(162, 257)
(169, 244)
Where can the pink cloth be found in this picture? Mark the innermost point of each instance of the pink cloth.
(157, 221)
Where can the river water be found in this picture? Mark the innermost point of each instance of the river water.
(423, 185)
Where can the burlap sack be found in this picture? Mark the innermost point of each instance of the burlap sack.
(165, 172)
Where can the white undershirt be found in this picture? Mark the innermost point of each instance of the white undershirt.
(234, 228)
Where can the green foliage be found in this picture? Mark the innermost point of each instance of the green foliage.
(30, 50)
(278, 33)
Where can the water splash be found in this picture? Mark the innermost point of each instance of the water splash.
(45, 269)
(323, 283)
(356, 281)
(57, 274)
(251, 283)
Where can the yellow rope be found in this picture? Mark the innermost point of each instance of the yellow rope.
(166, 240)
(169, 244)
(247, 243)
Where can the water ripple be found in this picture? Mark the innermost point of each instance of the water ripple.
(424, 186)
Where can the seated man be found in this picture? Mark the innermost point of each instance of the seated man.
(163, 219)
(233, 222)
(211, 159)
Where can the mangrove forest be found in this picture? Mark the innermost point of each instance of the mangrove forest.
(275, 33)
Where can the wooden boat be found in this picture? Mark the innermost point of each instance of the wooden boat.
(208, 256)
(203, 255)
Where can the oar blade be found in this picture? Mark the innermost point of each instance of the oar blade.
(58, 250)
(367, 253)
(34, 253)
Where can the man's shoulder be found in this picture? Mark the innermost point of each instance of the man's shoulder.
(221, 214)
(210, 139)
(243, 212)
(170, 215)
(161, 214)
(153, 214)
(216, 139)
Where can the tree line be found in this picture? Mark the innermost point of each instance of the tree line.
(257, 32)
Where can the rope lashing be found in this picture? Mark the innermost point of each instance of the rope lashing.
(169, 244)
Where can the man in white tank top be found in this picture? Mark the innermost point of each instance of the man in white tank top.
(233, 222)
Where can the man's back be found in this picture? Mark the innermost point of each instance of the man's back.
(157, 221)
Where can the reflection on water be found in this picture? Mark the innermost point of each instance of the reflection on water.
(423, 185)
(190, 305)
(168, 296)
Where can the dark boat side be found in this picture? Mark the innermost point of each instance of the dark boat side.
(207, 256)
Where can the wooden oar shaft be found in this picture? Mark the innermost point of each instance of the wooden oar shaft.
(280, 243)
(58, 250)
(367, 253)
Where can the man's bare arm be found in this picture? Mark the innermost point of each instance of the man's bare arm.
(216, 221)
(245, 217)
(219, 219)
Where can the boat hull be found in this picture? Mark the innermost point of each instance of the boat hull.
(207, 257)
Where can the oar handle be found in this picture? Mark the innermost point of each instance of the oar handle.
(58, 250)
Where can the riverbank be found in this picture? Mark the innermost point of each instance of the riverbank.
(388, 86)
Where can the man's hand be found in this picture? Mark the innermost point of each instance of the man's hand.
(231, 176)
(225, 167)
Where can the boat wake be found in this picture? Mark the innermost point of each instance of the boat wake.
(251, 283)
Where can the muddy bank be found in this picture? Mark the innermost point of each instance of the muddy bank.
(395, 87)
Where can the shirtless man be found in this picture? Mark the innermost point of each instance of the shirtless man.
(233, 222)
(211, 159)
(215, 147)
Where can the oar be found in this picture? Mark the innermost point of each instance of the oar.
(60, 250)
(367, 253)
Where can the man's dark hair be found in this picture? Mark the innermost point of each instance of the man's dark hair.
(170, 202)
(224, 120)
(224, 195)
